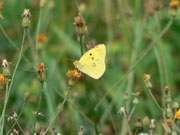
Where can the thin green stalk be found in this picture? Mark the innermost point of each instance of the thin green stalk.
(13, 76)
(73, 105)
(37, 33)
(38, 107)
(131, 113)
(109, 109)
(147, 50)
(8, 38)
(13, 44)
(154, 99)
(5, 104)
(81, 43)
(58, 111)
(22, 110)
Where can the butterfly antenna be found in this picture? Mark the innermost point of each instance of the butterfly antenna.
(69, 59)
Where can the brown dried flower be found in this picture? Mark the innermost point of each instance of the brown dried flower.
(167, 89)
(40, 70)
(74, 74)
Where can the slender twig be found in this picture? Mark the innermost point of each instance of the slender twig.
(38, 107)
(154, 99)
(13, 76)
(147, 50)
(58, 111)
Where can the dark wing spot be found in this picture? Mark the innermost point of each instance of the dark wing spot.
(92, 58)
(90, 54)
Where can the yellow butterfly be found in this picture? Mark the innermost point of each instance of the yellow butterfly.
(92, 62)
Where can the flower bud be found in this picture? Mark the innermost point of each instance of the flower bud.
(169, 112)
(136, 101)
(26, 96)
(42, 3)
(26, 18)
(146, 121)
(175, 104)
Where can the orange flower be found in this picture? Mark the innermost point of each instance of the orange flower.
(177, 115)
(74, 74)
(1, 5)
(174, 4)
(169, 121)
(2, 80)
(42, 38)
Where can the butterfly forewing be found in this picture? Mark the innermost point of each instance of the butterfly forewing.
(93, 62)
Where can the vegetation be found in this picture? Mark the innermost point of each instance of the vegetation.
(42, 92)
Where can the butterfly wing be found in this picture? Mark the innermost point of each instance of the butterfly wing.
(92, 62)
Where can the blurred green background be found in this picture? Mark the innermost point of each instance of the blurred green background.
(125, 27)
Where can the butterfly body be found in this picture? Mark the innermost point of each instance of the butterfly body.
(92, 62)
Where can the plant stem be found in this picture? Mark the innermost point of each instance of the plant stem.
(58, 111)
(81, 43)
(5, 104)
(22, 109)
(154, 99)
(12, 80)
(109, 109)
(71, 103)
(138, 61)
(132, 111)
(37, 33)
(38, 107)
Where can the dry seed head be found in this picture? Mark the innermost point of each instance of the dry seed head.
(177, 115)
(79, 23)
(26, 18)
(5, 66)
